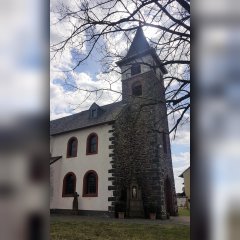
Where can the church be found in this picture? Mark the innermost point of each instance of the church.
(120, 152)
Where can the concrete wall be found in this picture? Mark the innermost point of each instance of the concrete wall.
(79, 165)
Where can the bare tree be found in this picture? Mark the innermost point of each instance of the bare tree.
(106, 25)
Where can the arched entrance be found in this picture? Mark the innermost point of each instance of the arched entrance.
(168, 197)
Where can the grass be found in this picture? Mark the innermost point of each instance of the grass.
(183, 212)
(100, 230)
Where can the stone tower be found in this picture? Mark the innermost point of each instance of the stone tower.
(142, 163)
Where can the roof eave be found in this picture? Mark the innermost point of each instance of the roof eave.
(80, 128)
(157, 59)
(181, 175)
(54, 159)
(148, 51)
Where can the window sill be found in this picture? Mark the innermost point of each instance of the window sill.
(91, 153)
(90, 195)
(67, 195)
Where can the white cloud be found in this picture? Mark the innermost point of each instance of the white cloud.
(180, 155)
(181, 162)
(181, 159)
(61, 29)
(182, 137)
(63, 102)
(179, 182)
(57, 116)
(58, 104)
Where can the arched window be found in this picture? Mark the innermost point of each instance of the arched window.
(137, 89)
(169, 196)
(72, 147)
(69, 185)
(92, 144)
(90, 184)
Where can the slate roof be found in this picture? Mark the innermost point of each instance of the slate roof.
(82, 120)
(181, 175)
(139, 44)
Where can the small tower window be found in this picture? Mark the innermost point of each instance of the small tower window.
(137, 89)
(135, 69)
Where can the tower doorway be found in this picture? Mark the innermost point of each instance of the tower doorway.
(168, 197)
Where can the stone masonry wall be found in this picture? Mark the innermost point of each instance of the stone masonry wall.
(137, 138)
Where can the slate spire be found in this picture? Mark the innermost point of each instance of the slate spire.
(140, 47)
(139, 43)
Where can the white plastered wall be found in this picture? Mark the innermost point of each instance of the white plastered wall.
(79, 165)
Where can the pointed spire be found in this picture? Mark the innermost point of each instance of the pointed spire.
(139, 43)
(140, 47)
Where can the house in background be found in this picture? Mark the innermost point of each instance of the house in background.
(186, 176)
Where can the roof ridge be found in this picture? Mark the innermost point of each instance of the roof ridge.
(84, 111)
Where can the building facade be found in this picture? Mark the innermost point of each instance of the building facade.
(186, 176)
(118, 152)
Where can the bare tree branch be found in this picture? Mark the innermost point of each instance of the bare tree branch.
(106, 25)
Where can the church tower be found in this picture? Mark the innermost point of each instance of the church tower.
(142, 171)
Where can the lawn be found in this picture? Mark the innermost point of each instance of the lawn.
(183, 212)
(102, 230)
